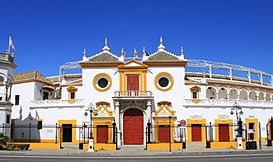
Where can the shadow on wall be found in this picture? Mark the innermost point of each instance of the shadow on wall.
(25, 130)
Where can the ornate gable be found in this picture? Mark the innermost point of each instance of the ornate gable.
(133, 64)
(103, 110)
(164, 109)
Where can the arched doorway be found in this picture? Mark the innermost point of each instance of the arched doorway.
(133, 128)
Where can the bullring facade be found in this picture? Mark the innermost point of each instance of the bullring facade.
(151, 101)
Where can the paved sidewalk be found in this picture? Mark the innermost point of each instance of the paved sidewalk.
(185, 152)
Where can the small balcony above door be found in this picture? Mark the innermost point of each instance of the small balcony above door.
(133, 94)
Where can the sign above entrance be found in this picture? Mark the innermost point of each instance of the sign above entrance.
(182, 122)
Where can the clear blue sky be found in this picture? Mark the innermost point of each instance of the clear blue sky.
(48, 33)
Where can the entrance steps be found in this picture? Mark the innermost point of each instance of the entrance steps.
(69, 146)
(132, 148)
(196, 145)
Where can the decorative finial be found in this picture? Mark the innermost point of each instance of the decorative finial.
(161, 40)
(106, 48)
(105, 42)
(84, 52)
(182, 51)
(144, 51)
(122, 51)
(161, 46)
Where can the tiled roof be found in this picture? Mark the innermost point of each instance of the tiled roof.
(163, 56)
(32, 75)
(104, 57)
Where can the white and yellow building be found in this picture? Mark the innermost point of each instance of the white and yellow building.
(159, 89)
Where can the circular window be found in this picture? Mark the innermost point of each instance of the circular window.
(102, 82)
(164, 81)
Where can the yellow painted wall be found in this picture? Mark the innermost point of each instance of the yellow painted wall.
(41, 145)
(164, 146)
(101, 146)
(73, 122)
(227, 121)
(225, 144)
(203, 129)
(255, 121)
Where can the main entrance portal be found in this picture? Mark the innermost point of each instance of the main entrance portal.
(133, 128)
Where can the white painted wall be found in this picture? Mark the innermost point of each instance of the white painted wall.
(175, 95)
(90, 94)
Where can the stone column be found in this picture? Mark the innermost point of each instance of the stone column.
(149, 110)
(117, 120)
(148, 117)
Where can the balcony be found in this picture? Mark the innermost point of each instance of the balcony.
(133, 94)
(227, 103)
(78, 103)
(6, 57)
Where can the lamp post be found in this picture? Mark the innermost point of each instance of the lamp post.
(238, 111)
(90, 108)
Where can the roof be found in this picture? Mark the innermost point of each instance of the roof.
(104, 57)
(30, 76)
(162, 56)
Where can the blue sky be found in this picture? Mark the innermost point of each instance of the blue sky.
(48, 33)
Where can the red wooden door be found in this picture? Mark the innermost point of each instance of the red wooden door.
(223, 132)
(133, 127)
(196, 131)
(164, 133)
(132, 82)
(102, 133)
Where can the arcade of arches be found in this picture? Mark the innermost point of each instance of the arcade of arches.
(213, 92)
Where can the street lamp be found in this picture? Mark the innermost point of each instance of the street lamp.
(238, 111)
(90, 108)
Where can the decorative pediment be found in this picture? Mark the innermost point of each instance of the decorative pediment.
(133, 64)
(195, 89)
(72, 88)
(164, 109)
(103, 110)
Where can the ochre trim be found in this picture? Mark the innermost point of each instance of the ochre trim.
(225, 121)
(171, 81)
(109, 82)
(71, 88)
(195, 89)
(74, 123)
(166, 105)
(102, 121)
(196, 101)
(256, 123)
(167, 121)
(141, 65)
(103, 103)
(203, 128)
(169, 63)
(142, 78)
(105, 106)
